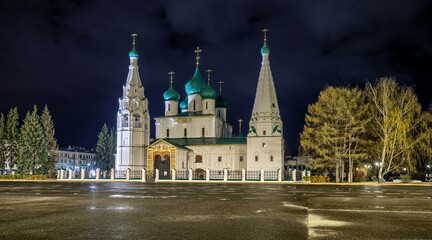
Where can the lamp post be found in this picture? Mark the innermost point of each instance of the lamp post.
(428, 172)
(377, 164)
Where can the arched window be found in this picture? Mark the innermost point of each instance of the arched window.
(219, 113)
(193, 102)
(136, 121)
(169, 106)
(203, 132)
(206, 105)
(264, 132)
(185, 132)
(256, 158)
(271, 158)
(263, 144)
(198, 159)
(167, 133)
(125, 120)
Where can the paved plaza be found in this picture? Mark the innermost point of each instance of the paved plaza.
(136, 210)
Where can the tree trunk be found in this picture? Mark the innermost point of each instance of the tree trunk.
(342, 170)
(337, 171)
(350, 170)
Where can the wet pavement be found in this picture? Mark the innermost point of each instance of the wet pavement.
(135, 210)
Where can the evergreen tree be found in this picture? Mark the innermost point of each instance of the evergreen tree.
(105, 148)
(2, 142)
(334, 128)
(32, 147)
(49, 133)
(11, 143)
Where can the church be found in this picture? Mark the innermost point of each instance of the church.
(194, 132)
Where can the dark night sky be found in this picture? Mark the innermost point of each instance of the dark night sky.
(73, 55)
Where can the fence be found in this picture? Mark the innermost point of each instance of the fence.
(189, 174)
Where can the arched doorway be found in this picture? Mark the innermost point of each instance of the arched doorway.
(163, 164)
(200, 174)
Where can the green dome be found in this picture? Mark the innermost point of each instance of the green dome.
(196, 84)
(221, 102)
(184, 104)
(265, 49)
(133, 53)
(171, 95)
(208, 93)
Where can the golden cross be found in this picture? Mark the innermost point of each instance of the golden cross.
(208, 74)
(240, 124)
(265, 30)
(197, 51)
(220, 87)
(133, 39)
(171, 73)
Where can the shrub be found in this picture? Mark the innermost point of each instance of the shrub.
(38, 177)
(13, 176)
(319, 179)
(306, 178)
(405, 178)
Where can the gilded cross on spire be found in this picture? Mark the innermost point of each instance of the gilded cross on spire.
(265, 30)
(220, 87)
(208, 74)
(240, 124)
(171, 74)
(133, 39)
(197, 51)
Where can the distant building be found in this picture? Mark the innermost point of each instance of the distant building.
(194, 132)
(298, 163)
(76, 158)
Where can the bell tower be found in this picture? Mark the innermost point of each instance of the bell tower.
(265, 143)
(133, 119)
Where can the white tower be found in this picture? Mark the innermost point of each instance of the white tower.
(133, 120)
(265, 143)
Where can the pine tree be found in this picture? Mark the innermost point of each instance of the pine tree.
(105, 148)
(11, 143)
(2, 142)
(32, 148)
(333, 130)
(49, 133)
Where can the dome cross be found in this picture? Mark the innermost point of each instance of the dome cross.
(208, 74)
(265, 30)
(171, 74)
(197, 51)
(220, 87)
(133, 39)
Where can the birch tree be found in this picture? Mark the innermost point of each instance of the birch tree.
(398, 125)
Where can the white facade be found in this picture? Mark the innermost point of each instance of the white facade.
(133, 121)
(75, 158)
(194, 133)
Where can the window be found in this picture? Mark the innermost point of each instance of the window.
(185, 132)
(256, 158)
(241, 158)
(198, 159)
(169, 106)
(219, 113)
(271, 158)
(263, 145)
(193, 104)
(219, 159)
(273, 105)
(203, 132)
(264, 132)
(206, 105)
(167, 133)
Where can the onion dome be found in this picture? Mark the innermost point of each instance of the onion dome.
(171, 95)
(196, 84)
(265, 49)
(133, 53)
(208, 93)
(221, 102)
(184, 104)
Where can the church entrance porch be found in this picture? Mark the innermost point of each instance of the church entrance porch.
(162, 163)
(200, 174)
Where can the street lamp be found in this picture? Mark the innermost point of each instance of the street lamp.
(428, 172)
(377, 164)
